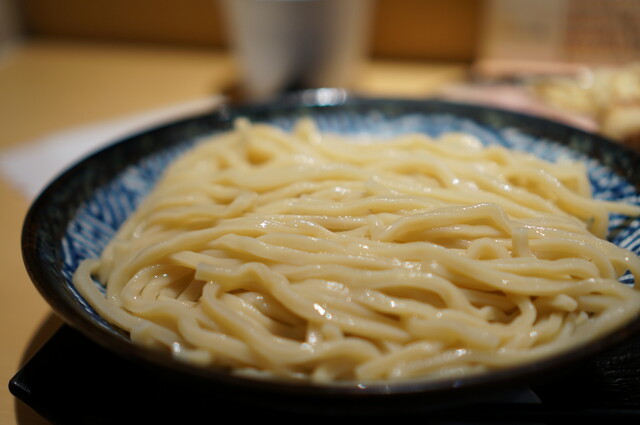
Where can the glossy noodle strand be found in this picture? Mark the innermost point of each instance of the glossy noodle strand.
(315, 256)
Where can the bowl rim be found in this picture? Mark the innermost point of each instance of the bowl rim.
(56, 296)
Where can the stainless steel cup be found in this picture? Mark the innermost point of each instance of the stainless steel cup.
(293, 44)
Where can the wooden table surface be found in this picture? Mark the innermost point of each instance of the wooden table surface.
(49, 86)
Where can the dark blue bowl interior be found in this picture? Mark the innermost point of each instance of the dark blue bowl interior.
(77, 214)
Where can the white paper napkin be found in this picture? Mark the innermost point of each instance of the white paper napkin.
(29, 167)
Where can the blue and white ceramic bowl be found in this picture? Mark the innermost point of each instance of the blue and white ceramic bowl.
(77, 214)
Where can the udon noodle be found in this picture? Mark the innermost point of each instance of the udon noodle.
(307, 255)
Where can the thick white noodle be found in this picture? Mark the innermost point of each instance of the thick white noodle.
(312, 256)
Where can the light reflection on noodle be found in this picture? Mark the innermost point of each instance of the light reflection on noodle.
(306, 255)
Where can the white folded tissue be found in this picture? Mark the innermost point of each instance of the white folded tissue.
(31, 166)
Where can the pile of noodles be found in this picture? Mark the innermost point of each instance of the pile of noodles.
(311, 256)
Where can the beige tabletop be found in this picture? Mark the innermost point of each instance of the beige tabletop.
(51, 86)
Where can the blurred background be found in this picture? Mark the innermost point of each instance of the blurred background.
(77, 73)
(462, 30)
(412, 47)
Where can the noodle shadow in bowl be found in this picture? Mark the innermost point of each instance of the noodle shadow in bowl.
(76, 216)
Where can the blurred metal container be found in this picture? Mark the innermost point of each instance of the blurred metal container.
(282, 45)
